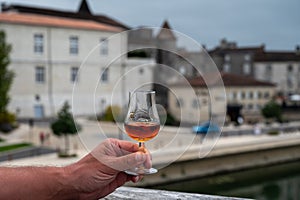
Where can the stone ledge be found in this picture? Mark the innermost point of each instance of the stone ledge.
(149, 194)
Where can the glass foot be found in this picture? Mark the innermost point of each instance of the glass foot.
(139, 171)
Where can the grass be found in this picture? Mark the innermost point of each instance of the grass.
(14, 146)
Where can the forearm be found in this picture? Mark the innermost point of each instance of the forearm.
(35, 183)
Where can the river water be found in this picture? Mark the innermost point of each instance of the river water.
(279, 182)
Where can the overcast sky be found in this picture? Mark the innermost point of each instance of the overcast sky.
(276, 23)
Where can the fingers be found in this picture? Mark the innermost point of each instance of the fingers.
(148, 162)
(132, 160)
(124, 145)
(119, 155)
(136, 179)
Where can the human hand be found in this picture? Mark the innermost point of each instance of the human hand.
(101, 171)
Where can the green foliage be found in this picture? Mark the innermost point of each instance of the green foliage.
(7, 122)
(273, 132)
(272, 110)
(112, 114)
(171, 121)
(65, 124)
(6, 76)
(14, 146)
(6, 117)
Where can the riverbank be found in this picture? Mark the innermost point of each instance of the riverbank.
(279, 181)
(229, 154)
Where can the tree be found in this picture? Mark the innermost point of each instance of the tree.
(65, 125)
(6, 78)
(272, 110)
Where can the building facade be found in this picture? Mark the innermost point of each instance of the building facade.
(281, 68)
(75, 57)
(241, 91)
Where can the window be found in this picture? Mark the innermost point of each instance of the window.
(250, 95)
(259, 95)
(246, 68)
(227, 58)
(38, 43)
(103, 46)
(104, 75)
(73, 45)
(234, 95)
(39, 111)
(243, 95)
(266, 95)
(247, 57)
(40, 74)
(250, 106)
(74, 74)
(179, 102)
(238, 95)
(290, 76)
(226, 67)
(268, 73)
(195, 103)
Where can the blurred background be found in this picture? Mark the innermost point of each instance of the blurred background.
(81, 58)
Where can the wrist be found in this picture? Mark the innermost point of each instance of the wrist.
(65, 188)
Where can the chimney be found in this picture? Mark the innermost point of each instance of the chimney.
(297, 49)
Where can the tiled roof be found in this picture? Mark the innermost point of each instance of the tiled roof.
(42, 20)
(277, 56)
(260, 54)
(222, 51)
(83, 13)
(229, 80)
(240, 80)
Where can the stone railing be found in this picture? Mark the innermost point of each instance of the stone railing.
(146, 194)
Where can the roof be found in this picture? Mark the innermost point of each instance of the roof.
(277, 56)
(166, 32)
(240, 80)
(40, 20)
(223, 51)
(82, 13)
(229, 80)
(259, 52)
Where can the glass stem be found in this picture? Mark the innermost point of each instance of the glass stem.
(142, 147)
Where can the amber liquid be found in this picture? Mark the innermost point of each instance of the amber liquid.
(141, 131)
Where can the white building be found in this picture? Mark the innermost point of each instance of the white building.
(195, 101)
(53, 62)
(281, 68)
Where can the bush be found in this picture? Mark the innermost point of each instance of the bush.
(7, 117)
(274, 132)
(112, 114)
(272, 110)
(171, 121)
(7, 122)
